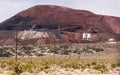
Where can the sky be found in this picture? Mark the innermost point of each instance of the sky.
(9, 8)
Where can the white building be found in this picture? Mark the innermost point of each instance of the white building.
(86, 36)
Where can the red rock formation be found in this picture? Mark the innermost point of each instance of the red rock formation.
(75, 21)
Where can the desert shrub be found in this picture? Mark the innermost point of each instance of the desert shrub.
(71, 64)
(3, 64)
(59, 50)
(114, 65)
(100, 67)
(118, 64)
(53, 50)
(18, 68)
(64, 46)
(63, 52)
(87, 65)
(14, 74)
(83, 66)
(24, 47)
(28, 67)
(93, 63)
(45, 65)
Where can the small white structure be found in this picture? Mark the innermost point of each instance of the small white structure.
(86, 36)
(111, 39)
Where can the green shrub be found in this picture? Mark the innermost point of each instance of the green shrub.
(71, 64)
(15, 74)
(28, 67)
(83, 67)
(113, 65)
(3, 64)
(45, 65)
(88, 65)
(18, 68)
(93, 63)
(101, 67)
(118, 64)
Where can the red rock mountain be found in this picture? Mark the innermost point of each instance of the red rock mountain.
(45, 21)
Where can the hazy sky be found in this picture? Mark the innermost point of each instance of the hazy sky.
(8, 8)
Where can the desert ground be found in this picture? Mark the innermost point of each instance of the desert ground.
(61, 59)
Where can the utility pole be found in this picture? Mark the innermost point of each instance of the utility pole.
(53, 47)
(16, 48)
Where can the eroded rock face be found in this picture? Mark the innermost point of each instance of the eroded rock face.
(70, 22)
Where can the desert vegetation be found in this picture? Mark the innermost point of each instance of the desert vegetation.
(60, 59)
(49, 64)
(82, 50)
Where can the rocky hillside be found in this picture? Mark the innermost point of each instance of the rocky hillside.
(93, 51)
(69, 23)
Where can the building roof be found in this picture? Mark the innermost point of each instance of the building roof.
(93, 29)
